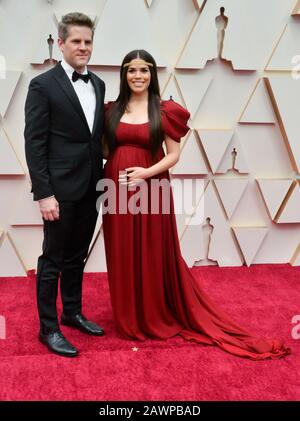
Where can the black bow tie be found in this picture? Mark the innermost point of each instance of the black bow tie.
(76, 76)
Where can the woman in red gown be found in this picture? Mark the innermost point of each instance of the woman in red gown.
(153, 292)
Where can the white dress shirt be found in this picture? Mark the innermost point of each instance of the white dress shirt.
(85, 92)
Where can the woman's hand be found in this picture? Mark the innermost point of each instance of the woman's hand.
(134, 176)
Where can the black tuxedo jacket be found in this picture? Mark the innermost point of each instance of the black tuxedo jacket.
(62, 155)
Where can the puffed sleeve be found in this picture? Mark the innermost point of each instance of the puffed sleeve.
(107, 110)
(174, 120)
(108, 107)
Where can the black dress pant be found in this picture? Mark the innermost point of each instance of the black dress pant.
(65, 247)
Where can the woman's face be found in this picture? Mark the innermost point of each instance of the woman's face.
(138, 77)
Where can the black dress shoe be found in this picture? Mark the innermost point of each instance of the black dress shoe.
(80, 322)
(58, 344)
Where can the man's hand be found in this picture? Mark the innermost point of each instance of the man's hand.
(49, 208)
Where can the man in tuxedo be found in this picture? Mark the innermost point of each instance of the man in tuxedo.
(64, 123)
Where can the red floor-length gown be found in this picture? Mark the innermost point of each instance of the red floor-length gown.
(153, 292)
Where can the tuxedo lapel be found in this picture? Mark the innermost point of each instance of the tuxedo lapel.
(96, 86)
(68, 89)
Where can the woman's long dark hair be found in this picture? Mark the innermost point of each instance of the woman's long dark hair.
(121, 104)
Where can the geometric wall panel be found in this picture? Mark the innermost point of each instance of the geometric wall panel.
(279, 245)
(187, 194)
(137, 33)
(291, 211)
(58, 15)
(268, 20)
(231, 191)
(96, 261)
(149, 2)
(26, 211)
(273, 192)
(9, 163)
(296, 10)
(7, 88)
(112, 80)
(245, 47)
(234, 158)
(287, 114)
(259, 107)
(203, 41)
(215, 143)
(250, 240)
(288, 46)
(97, 229)
(199, 3)
(42, 52)
(251, 211)
(191, 159)
(295, 260)
(10, 262)
(192, 235)
(163, 78)
(193, 88)
(265, 151)
(11, 187)
(172, 90)
(268, 17)
(220, 235)
(171, 22)
(220, 108)
(28, 240)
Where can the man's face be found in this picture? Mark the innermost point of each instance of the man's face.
(77, 48)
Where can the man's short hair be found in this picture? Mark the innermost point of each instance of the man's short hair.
(74, 19)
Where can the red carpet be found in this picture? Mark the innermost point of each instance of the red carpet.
(263, 297)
